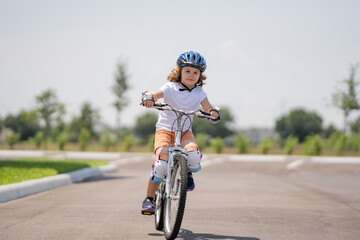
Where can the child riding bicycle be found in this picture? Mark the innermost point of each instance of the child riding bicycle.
(183, 91)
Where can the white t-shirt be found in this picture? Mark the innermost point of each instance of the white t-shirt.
(184, 100)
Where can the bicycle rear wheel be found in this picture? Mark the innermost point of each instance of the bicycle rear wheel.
(159, 207)
(175, 203)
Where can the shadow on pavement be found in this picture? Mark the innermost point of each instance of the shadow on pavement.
(103, 178)
(189, 235)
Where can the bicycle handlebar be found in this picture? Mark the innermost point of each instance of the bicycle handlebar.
(198, 113)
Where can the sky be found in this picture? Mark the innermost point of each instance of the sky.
(265, 58)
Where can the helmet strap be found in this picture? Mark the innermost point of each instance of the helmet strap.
(186, 87)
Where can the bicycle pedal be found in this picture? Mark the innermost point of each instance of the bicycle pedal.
(146, 213)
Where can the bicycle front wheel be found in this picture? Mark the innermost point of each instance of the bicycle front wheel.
(175, 202)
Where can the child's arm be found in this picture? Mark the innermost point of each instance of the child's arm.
(149, 98)
(206, 105)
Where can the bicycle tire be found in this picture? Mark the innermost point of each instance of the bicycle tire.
(175, 203)
(159, 207)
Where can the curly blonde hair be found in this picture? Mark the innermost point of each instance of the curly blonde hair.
(175, 76)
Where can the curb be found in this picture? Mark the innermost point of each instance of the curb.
(18, 190)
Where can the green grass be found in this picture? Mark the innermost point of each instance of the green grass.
(33, 168)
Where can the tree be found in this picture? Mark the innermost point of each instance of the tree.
(355, 126)
(84, 139)
(299, 123)
(221, 129)
(119, 89)
(26, 123)
(47, 107)
(12, 138)
(145, 125)
(1, 123)
(346, 100)
(89, 116)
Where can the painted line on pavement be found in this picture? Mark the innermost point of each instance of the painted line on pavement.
(257, 158)
(208, 162)
(295, 164)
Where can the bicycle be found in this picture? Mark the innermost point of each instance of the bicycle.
(170, 197)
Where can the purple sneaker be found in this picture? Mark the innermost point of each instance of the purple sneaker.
(191, 183)
(148, 206)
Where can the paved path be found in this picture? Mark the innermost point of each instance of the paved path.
(235, 198)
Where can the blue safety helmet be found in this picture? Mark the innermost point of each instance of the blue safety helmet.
(192, 59)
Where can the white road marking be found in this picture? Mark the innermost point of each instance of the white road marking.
(209, 162)
(257, 158)
(295, 164)
(336, 160)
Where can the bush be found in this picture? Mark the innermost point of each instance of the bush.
(12, 138)
(38, 139)
(151, 142)
(353, 143)
(340, 144)
(265, 146)
(217, 144)
(313, 145)
(62, 140)
(84, 139)
(242, 143)
(107, 140)
(128, 143)
(290, 145)
(200, 141)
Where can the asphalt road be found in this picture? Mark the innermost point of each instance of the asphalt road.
(234, 199)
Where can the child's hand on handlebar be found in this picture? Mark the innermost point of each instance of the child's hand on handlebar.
(147, 99)
(214, 114)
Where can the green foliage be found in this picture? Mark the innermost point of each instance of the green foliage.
(290, 145)
(27, 169)
(355, 126)
(38, 139)
(128, 143)
(47, 107)
(89, 116)
(265, 146)
(217, 144)
(150, 142)
(346, 100)
(329, 130)
(242, 143)
(340, 144)
(12, 138)
(84, 139)
(119, 89)
(145, 125)
(1, 123)
(25, 122)
(299, 123)
(61, 140)
(200, 141)
(353, 143)
(313, 145)
(107, 140)
(221, 129)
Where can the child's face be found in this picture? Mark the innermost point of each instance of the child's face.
(190, 76)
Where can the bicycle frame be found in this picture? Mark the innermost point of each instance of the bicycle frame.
(173, 153)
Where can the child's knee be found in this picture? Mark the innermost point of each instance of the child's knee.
(160, 166)
(194, 158)
(159, 171)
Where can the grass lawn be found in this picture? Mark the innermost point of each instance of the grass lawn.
(15, 171)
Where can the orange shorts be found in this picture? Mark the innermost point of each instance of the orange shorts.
(164, 138)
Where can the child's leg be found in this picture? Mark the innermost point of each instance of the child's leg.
(158, 171)
(194, 156)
